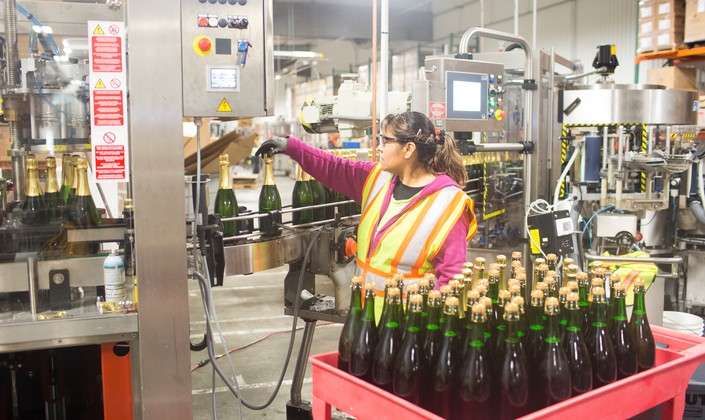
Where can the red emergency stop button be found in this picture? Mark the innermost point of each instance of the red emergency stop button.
(202, 45)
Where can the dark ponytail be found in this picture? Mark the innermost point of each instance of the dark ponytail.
(435, 149)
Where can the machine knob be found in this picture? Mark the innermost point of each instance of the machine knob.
(201, 1)
(232, 2)
(499, 115)
(222, 22)
(491, 78)
(242, 2)
(212, 1)
(491, 113)
(350, 247)
(204, 44)
(493, 91)
(213, 22)
(222, 1)
(203, 22)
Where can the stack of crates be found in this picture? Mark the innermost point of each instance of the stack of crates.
(661, 24)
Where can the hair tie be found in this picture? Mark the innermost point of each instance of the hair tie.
(440, 136)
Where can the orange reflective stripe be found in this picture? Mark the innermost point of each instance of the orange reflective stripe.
(380, 273)
(370, 181)
(423, 256)
(366, 210)
(631, 277)
(472, 228)
(412, 231)
(446, 227)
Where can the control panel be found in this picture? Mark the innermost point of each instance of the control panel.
(462, 95)
(227, 58)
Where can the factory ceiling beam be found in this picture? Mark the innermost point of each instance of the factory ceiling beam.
(335, 21)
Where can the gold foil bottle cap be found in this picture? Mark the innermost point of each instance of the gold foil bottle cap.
(32, 163)
(434, 294)
(516, 255)
(393, 292)
(127, 204)
(452, 301)
(511, 308)
(573, 297)
(51, 162)
(412, 288)
(537, 294)
(224, 159)
(357, 279)
(501, 259)
(478, 309)
(446, 289)
(370, 285)
(82, 163)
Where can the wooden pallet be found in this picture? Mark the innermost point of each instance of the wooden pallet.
(245, 181)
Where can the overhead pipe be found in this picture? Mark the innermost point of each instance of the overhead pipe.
(384, 60)
(12, 80)
(373, 77)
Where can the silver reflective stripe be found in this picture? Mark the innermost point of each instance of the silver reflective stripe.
(423, 232)
(381, 180)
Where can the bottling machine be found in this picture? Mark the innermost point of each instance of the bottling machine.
(529, 129)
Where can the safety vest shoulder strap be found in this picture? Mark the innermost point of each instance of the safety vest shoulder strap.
(376, 179)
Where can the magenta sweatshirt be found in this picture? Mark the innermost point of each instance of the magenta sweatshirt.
(349, 177)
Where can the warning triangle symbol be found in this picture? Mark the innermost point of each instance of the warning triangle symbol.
(98, 30)
(100, 84)
(224, 106)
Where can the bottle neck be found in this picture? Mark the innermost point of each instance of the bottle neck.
(621, 309)
(74, 177)
(639, 312)
(434, 317)
(369, 314)
(574, 318)
(493, 290)
(82, 189)
(536, 317)
(450, 327)
(553, 325)
(66, 173)
(356, 298)
(512, 329)
(414, 323)
(390, 318)
(52, 182)
(583, 292)
(478, 327)
(268, 172)
(224, 178)
(32, 188)
(300, 175)
(599, 311)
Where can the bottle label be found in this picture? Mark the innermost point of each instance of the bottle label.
(114, 280)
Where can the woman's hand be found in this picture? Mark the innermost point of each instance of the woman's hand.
(273, 146)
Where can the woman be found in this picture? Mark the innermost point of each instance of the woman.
(415, 217)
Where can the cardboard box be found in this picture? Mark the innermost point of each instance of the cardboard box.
(646, 43)
(669, 22)
(664, 7)
(646, 9)
(673, 77)
(667, 40)
(694, 21)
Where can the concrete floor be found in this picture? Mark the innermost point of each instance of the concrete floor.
(249, 308)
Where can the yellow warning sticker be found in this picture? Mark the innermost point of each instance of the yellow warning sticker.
(224, 106)
(98, 30)
(100, 84)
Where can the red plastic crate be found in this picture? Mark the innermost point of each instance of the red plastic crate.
(665, 384)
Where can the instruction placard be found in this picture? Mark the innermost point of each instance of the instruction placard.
(109, 129)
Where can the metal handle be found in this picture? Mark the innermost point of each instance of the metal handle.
(673, 261)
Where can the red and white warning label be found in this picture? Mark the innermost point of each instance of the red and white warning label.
(437, 110)
(109, 128)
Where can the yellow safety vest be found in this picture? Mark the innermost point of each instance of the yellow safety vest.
(414, 238)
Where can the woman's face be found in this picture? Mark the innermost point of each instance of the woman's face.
(394, 156)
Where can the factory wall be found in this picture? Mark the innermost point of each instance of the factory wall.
(572, 27)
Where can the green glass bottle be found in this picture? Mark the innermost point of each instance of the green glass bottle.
(534, 342)
(443, 369)
(493, 290)
(431, 280)
(563, 300)
(66, 177)
(74, 184)
(472, 298)
(621, 335)
(388, 284)
(523, 319)
(390, 336)
(474, 378)
(34, 212)
(602, 354)
(269, 200)
(583, 292)
(521, 278)
(302, 197)
(225, 201)
(52, 197)
(514, 376)
(363, 345)
(478, 269)
(552, 261)
(432, 337)
(500, 329)
(491, 325)
(575, 348)
(641, 330)
(410, 368)
(424, 289)
(554, 376)
(457, 291)
(319, 197)
(351, 324)
(501, 261)
(615, 279)
(552, 284)
(467, 285)
(84, 212)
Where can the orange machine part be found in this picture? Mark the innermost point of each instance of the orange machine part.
(117, 383)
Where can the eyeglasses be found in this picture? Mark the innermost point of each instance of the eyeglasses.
(384, 140)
